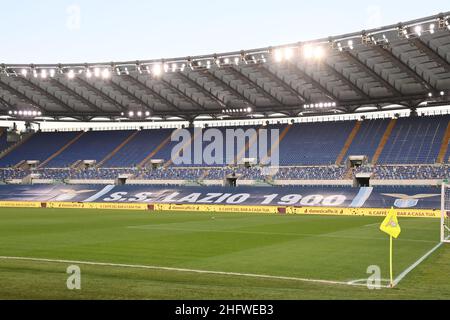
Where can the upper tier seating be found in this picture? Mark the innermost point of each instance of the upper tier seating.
(39, 147)
(136, 150)
(93, 145)
(415, 140)
(368, 138)
(412, 141)
(314, 143)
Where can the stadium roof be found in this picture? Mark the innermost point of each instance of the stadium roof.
(405, 64)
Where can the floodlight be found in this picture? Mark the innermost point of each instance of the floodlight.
(157, 70)
(71, 74)
(350, 44)
(308, 51)
(418, 30)
(318, 53)
(288, 53)
(432, 27)
(278, 55)
(106, 74)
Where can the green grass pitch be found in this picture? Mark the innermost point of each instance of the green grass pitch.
(313, 247)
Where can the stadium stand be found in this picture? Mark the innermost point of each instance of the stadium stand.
(368, 138)
(408, 149)
(3, 139)
(93, 145)
(38, 147)
(410, 172)
(314, 143)
(415, 140)
(135, 151)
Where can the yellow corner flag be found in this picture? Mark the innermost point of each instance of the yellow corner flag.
(390, 224)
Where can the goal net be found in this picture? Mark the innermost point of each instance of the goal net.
(445, 213)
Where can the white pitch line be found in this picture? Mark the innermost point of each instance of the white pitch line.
(135, 266)
(415, 264)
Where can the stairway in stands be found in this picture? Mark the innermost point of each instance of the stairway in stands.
(348, 143)
(384, 140)
(154, 152)
(57, 153)
(117, 149)
(252, 140)
(276, 145)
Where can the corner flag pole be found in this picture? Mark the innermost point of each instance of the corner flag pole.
(390, 263)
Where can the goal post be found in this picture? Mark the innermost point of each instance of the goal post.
(445, 213)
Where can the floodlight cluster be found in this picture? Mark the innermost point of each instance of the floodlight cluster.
(241, 110)
(421, 29)
(25, 113)
(320, 105)
(136, 114)
(441, 93)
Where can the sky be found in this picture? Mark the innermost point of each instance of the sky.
(53, 31)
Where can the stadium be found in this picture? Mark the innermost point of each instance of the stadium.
(255, 174)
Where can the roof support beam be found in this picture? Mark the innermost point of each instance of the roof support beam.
(118, 86)
(23, 96)
(280, 80)
(347, 81)
(201, 89)
(311, 80)
(434, 55)
(386, 51)
(77, 95)
(362, 66)
(181, 93)
(4, 103)
(230, 88)
(136, 80)
(50, 96)
(266, 92)
(115, 103)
